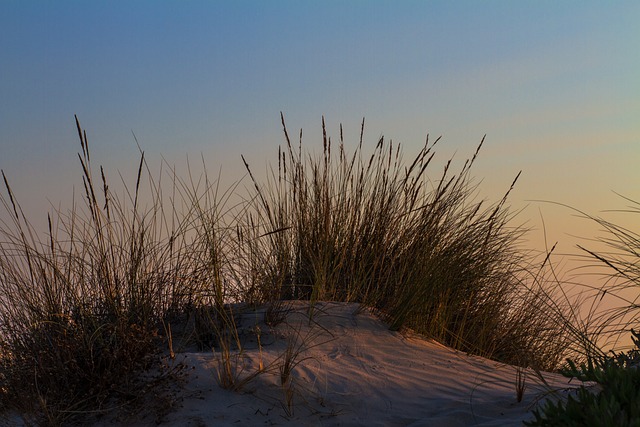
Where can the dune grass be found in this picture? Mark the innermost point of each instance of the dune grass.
(620, 260)
(89, 306)
(378, 230)
(83, 308)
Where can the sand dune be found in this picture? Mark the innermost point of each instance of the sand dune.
(351, 371)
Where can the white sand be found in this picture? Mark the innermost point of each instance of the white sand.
(355, 372)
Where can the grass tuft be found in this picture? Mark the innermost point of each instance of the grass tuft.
(378, 230)
(83, 309)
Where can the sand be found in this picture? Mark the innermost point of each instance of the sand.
(352, 371)
(348, 369)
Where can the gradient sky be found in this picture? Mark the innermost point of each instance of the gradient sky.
(554, 85)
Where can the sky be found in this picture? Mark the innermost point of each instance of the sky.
(555, 86)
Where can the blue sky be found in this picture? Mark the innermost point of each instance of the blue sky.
(554, 85)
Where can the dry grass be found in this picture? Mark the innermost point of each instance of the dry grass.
(378, 230)
(521, 383)
(118, 280)
(622, 274)
(83, 309)
(612, 306)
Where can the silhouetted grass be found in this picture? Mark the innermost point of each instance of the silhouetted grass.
(620, 259)
(378, 230)
(83, 310)
(608, 293)
(89, 305)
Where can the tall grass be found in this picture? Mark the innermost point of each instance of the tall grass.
(378, 230)
(90, 305)
(610, 291)
(620, 258)
(83, 309)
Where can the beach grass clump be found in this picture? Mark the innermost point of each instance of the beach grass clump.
(80, 308)
(379, 230)
(84, 311)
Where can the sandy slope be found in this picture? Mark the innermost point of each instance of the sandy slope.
(353, 371)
